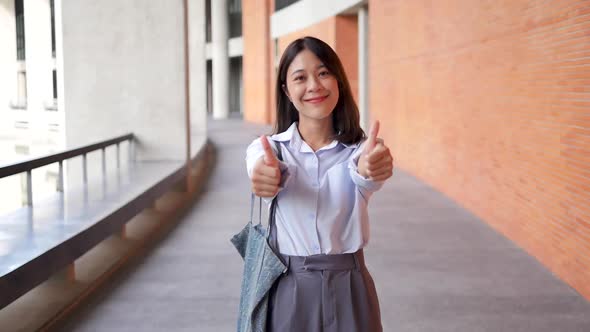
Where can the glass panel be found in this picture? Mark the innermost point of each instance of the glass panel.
(54, 84)
(52, 4)
(235, 18)
(20, 29)
(208, 20)
(280, 4)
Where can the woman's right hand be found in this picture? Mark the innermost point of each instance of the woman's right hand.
(266, 174)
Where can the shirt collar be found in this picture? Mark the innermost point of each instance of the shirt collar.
(296, 142)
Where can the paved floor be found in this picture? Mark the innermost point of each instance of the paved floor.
(437, 267)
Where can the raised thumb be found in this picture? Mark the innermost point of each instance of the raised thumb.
(372, 139)
(269, 156)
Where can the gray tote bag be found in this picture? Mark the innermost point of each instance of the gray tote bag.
(262, 267)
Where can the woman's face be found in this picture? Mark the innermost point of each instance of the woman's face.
(312, 89)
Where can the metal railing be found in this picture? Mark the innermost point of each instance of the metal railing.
(29, 165)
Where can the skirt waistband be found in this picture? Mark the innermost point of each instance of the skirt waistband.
(323, 262)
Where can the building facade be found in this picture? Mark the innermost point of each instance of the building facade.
(28, 75)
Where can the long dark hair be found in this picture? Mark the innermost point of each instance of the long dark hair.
(345, 117)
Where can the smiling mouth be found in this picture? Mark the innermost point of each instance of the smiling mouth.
(316, 100)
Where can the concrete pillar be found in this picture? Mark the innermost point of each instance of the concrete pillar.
(39, 64)
(59, 66)
(363, 66)
(8, 79)
(130, 77)
(220, 58)
(127, 78)
(198, 73)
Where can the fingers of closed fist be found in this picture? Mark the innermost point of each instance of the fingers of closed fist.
(380, 152)
(381, 168)
(265, 180)
(269, 171)
(383, 163)
(262, 168)
(382, 176)
(264, 190)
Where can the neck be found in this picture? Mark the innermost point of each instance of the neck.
(316, 134)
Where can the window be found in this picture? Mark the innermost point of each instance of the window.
(208, 21)
(20, 29)
(21, 74)
(52, 104)
(235, 18)
(52, 5)
(54, 84)
(280, 4)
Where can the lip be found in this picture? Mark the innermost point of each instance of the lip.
(316, 100)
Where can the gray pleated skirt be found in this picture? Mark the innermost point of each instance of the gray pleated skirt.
(324, 293)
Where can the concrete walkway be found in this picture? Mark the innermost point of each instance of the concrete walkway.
(437, 267)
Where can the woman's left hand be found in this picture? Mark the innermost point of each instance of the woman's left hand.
(375, 162)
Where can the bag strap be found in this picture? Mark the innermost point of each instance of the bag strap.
(252, 200)
(271, 235)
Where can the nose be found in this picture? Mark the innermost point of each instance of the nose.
(313, 84)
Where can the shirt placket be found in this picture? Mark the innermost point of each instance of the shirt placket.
(315, 184)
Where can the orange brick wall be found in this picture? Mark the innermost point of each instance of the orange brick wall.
(489, 102)
(256, 60)
(346, 46)
(324, 30)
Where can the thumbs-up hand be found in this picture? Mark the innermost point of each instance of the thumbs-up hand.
(266, 175)
(375, 162)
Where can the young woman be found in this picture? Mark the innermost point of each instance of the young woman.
(329, 170)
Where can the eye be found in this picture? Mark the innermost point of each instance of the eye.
(324, 73)
(299, 78)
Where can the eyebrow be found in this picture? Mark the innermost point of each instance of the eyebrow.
(318, 67)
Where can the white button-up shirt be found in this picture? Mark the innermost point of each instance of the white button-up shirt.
(322, 200)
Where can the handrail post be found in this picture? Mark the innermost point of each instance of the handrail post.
(30, 188)
(104, 163)
(85, 169)
(60, 179)
(118, 156)
(131, 149)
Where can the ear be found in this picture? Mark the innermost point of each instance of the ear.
(286, 92)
